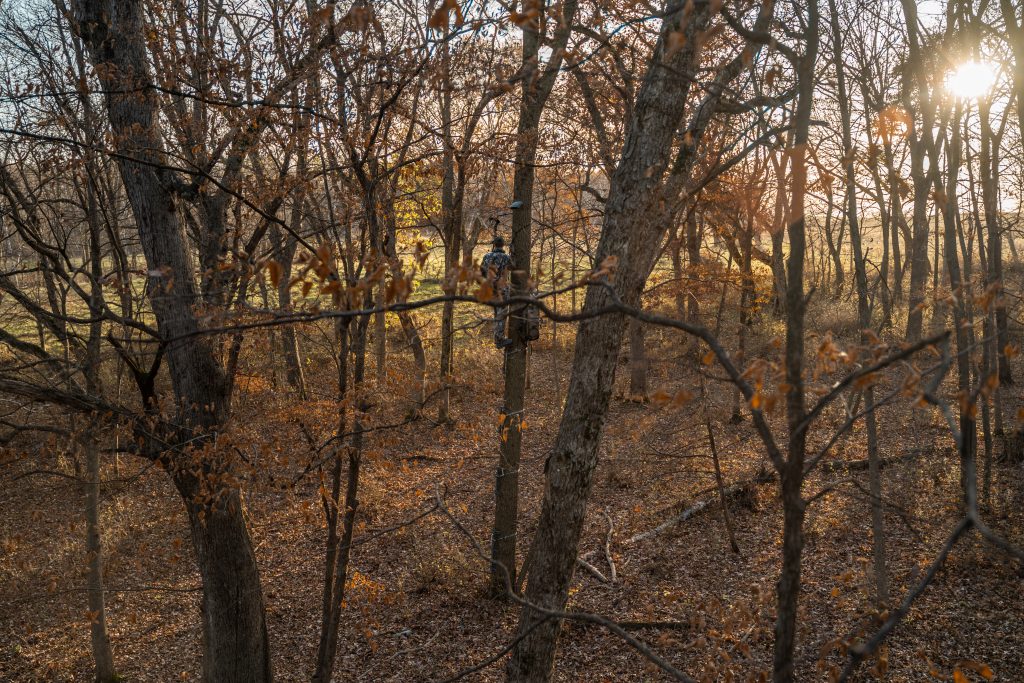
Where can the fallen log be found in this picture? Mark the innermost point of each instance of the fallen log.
(861, 465)
(742, 487)
(641, 625)
(732, 491)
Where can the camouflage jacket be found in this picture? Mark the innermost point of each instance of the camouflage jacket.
(495, 266)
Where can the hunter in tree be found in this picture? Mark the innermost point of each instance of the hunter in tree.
(495, 268)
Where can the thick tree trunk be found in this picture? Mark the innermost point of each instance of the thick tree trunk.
(235, 635)
(632, 237)
(235, 645)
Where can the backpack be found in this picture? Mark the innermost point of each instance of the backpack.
(532, 322)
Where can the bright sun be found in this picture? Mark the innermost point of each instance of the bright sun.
(971, 79)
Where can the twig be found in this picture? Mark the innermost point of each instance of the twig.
(608, 547)
(592, 569)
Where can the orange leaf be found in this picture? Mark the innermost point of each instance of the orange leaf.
(274, 268)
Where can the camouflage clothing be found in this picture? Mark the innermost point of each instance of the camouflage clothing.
(495, 268)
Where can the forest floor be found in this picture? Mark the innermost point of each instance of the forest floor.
(417, 605)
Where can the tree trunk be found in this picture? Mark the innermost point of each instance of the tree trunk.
(235, 635)
(747, 295)
(884, 214)
(778, 232)
(792, 474)
(284, 253)
(638, 361)
(331, 604)
(881, 574)
(896, 220)
(102, 653)
(451, 231)
(340, 549)
(537, 87)
(788, 586)
(632, 235)
(444, 409)
(988, 160)
(834, 247)
(693, 263)
(235, 645)
(961, 320)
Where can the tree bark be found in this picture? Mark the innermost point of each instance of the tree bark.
(632, 237)
(792, 474)
(236, 647)
(537, 86)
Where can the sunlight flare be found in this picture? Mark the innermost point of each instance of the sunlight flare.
(971, 80)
